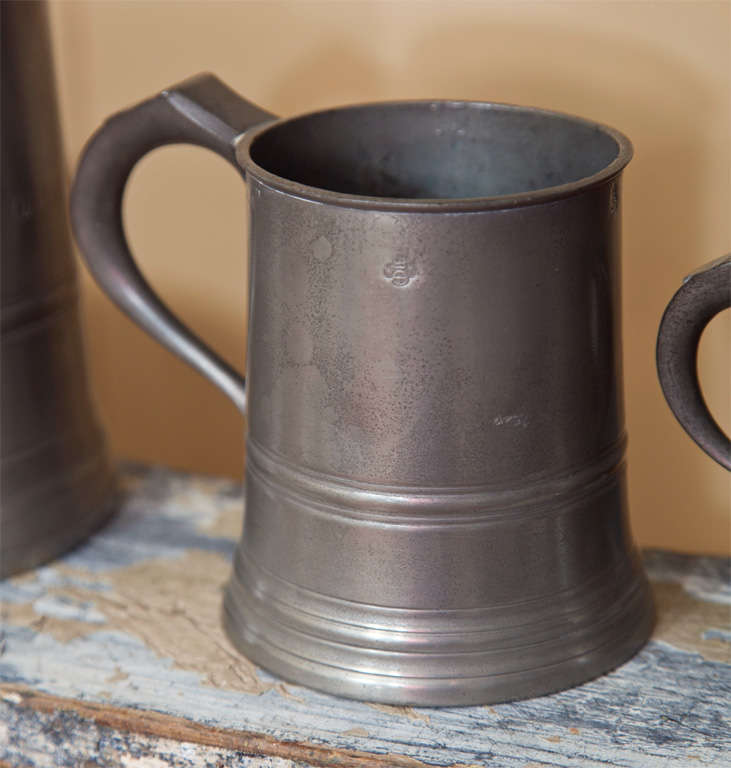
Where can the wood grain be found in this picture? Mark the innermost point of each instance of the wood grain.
(76, 716)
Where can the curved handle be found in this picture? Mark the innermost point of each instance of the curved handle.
(201, 111)
(702, 296)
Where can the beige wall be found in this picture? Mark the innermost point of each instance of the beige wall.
(658, 71)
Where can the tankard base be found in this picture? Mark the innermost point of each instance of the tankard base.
(481, 662)
(54, 517)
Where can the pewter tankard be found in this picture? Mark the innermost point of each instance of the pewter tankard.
(435, 485)
(56, 482)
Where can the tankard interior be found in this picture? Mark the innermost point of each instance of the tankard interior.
(441, 149)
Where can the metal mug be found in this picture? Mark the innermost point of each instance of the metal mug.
(56, 482)
(435, 485)
(703, 294)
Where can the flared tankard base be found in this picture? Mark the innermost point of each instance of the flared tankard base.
(436, 505)
(436, 657)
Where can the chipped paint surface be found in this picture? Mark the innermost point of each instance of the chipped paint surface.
(69, 745)
(131, 619)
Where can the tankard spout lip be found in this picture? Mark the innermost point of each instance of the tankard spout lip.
(545, 194)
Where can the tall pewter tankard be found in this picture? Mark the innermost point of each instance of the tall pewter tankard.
(57, 486)
(435, 486)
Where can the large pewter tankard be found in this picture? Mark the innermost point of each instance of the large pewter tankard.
(436, 503)
(56, 485)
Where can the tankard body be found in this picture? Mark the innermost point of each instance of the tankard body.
(435, 481)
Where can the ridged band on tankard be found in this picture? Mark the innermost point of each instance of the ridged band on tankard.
(533, 634)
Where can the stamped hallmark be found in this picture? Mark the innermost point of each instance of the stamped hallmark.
(400, 271)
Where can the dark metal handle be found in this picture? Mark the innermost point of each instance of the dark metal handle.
(201, 111)
(702, 296)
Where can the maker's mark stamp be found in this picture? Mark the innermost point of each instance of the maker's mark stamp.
(400, 271)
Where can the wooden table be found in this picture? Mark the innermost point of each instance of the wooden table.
(114, 656)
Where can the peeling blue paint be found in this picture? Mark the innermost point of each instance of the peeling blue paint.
(718, 634)
(707, 578)
(154, 522)
(137, 536)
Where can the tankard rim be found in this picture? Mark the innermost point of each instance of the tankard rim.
(547, 194)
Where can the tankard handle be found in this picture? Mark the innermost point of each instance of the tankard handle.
(201, 111)
(703, 294)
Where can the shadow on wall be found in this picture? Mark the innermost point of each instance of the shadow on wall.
(645, 92)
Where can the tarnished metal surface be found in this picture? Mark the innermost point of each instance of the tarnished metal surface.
(436, 504)
(56, 483)
(114, 654)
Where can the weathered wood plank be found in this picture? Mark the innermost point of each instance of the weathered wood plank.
(129, 624)
(54, 727)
